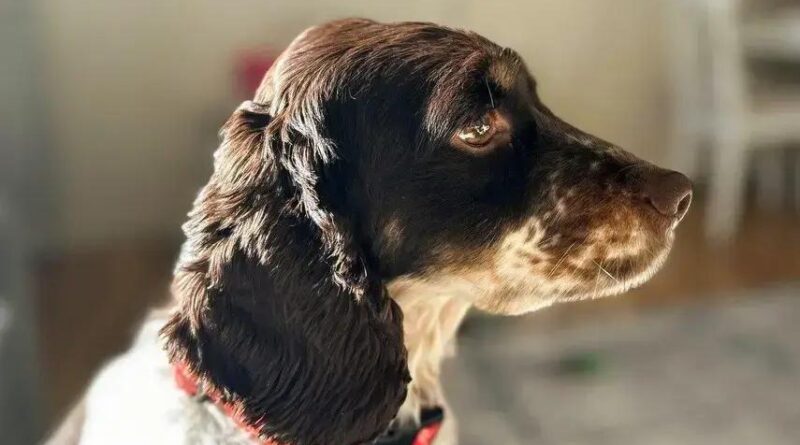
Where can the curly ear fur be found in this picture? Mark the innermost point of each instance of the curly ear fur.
(277, 308)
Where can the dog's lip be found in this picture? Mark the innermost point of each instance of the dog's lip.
(635, 277)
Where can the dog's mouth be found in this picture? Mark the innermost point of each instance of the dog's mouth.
(570, 255)
(604, 270)
(616, 257)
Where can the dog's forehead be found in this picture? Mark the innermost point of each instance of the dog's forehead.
(446, 72)
(463, 94)
(505, 69)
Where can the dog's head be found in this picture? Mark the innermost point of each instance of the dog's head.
(404, 154)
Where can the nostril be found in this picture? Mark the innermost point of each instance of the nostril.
(669, 192)
(683, 205)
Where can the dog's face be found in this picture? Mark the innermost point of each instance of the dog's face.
(459, 179)
(378, 158)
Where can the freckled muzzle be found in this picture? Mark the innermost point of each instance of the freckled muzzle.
(602, 224)
(620, 221)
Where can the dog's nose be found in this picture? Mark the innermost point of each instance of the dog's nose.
(669, 192)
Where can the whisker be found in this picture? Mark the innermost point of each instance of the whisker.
(605, 271)
(547, 240)
(596, 284)
(491, 98)
(560, 260)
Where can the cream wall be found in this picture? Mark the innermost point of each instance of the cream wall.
(137, 90)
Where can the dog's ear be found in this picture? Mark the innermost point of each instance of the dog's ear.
(277, 309)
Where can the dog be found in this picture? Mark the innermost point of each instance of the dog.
(385, 179)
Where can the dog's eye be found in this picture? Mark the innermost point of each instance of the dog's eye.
(480, 133)
(491, 131)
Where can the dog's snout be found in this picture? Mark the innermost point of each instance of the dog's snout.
(669, 192)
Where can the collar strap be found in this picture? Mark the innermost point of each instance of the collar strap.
(191, 385)
(423, 433)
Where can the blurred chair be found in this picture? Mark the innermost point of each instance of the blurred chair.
(712, 45)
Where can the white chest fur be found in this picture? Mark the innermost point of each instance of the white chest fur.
(431, 316)
(134, 400)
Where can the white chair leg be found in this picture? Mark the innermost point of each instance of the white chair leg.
(730, 133)
(728, 171)
(684, 18)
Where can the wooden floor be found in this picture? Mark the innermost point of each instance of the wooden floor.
(89, 306)
(90, 301)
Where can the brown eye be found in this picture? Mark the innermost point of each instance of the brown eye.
(483, 136)
(478, 134)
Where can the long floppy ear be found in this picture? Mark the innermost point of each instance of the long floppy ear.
(277, 310)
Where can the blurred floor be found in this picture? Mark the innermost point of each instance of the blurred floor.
(90, 302)
(697, 374)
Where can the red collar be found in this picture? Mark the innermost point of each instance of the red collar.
(424, 434)
(189, 383)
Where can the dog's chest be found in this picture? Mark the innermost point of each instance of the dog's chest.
(134, 400)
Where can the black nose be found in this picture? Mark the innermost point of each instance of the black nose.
(669, 192)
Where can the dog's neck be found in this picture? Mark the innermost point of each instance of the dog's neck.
(430, 321)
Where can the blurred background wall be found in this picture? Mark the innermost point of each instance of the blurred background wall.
(23, 212)
(137, 90)
(109, 112)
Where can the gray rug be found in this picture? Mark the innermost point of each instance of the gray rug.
(724, 374)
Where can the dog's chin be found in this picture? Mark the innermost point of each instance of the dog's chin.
(592, 277)
(607, 284)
